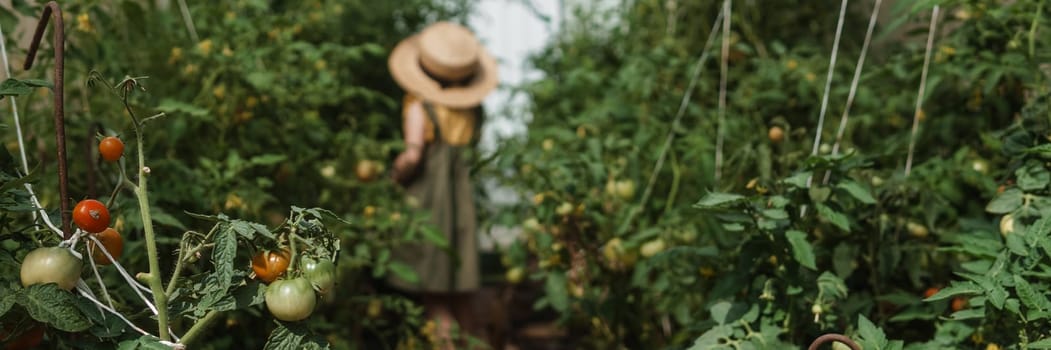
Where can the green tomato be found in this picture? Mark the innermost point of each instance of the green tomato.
(51, 265)
(291, 300)
(321, 274)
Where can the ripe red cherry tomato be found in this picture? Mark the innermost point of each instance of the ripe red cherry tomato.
(111, 148)
(112, 241)
(91, 215)
(269, 265)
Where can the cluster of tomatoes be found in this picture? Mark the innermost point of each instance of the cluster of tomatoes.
(293, 299)
(59, 265)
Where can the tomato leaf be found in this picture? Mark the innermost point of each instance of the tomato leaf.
(49, 304)
(713, 338)
(954, 289)
(801, 249)
(105, 325)
(836, 218)
(873, 337)
(294, 336)
(860, 193)
(1031, 298)
(7, 300)
(1005, 202)
(1041, 344)
(223, 255)
(718, 200)
(557, 293)
(403, 271)
(171, 106)
(1032, 177)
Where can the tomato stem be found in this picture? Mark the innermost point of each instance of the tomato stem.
(195, 331)
(183, 254)
(160, 298)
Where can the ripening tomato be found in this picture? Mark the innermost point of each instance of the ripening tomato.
(367, 170)
(958, 303)
(269, 265)
(91, 215)
(51, 265)
(320, 273)
(930, 292)
(291, 300)
(112, 241)
(776, 134)
(111, 148)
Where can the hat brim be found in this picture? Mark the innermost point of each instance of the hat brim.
(404, 65)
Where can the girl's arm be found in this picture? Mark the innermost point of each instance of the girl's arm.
(412, 129)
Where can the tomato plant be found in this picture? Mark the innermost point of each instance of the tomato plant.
(51, 265)
(268, 265)
(291, 300)
(111, 148)
(112, 241)
(91, 216)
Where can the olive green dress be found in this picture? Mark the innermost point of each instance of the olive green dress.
(442, 187)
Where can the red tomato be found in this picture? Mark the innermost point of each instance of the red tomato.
(91, 215)
(111, 148)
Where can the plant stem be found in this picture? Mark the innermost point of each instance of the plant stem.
(160, 299)
(199, 326)
(1032, 29)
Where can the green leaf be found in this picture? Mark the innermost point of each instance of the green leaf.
(14, 87)
(721, 311)
(872, 337)
(402, 271)
(801, 249)
(717, 200)
(268, 159)
(294, 336)
(819, 194)
(1032, 177)
(162, 217)
(557, 294)
(7, 300)
(223, 255)
(1031, 298)
(798, 179)
(1041, 344)
(54, 306)
(837, 219)
(713, 338)
(170, 106)
(860, 193)
(1006, 202)
(956, 288)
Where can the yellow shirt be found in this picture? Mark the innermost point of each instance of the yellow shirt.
(457, 125)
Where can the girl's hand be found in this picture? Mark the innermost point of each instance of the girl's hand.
(405, 164)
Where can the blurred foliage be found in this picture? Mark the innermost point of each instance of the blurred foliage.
(644, 268)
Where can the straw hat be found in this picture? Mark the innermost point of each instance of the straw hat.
(449, 52)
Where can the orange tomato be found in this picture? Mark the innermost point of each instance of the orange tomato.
(111, 148)
(268, 265)
(112, 241)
